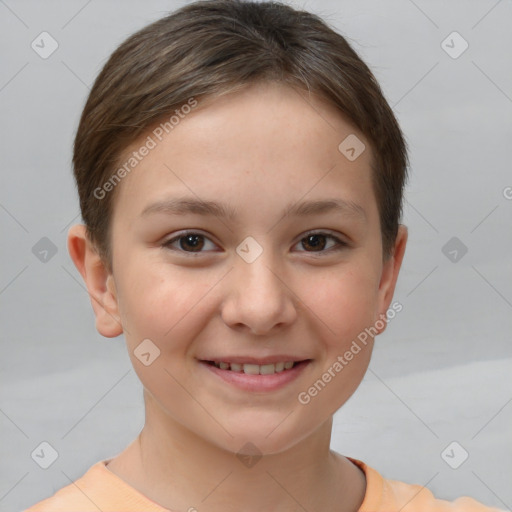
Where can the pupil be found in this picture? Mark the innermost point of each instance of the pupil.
(192, 240)
(315, 237)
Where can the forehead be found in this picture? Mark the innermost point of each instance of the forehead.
(257, 145)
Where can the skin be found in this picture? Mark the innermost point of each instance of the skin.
(256, 150)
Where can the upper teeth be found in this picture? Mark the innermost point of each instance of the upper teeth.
(255, 369)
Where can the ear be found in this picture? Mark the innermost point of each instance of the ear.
(390, 271)
(100, 283)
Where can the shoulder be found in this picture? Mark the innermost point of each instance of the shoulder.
(69, 497)
(417, 498)
(386, 495)
(98, 489)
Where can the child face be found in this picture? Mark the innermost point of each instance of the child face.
(210, 297)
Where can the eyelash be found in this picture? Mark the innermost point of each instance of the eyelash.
(340, 243)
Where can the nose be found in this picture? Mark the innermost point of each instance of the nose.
(258, 297)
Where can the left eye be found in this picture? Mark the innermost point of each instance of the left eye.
(317, 240)
(193, 242)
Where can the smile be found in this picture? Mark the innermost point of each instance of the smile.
(255, 369)
(254, 377)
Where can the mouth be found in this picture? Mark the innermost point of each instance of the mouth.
(253, 377)
(256, 369)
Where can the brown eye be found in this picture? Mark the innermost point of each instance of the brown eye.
(196, 242)
(190, 242)
(318, 241)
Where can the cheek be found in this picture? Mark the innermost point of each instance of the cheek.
(344, 302)
(155, 297)
(160, 304)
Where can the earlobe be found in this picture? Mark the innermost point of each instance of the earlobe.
(99, 282)
(390, 272)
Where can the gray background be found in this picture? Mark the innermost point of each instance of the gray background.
(442, 370)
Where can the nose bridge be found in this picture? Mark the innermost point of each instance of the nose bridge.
(258, 270)
(259, 297)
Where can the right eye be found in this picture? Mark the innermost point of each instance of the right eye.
(189, 242)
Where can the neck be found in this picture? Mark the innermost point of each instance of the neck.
(179, 470)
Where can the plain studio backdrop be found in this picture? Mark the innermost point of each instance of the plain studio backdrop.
(435, 407)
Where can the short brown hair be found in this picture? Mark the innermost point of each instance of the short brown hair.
(212, 47)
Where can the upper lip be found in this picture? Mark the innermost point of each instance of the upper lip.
(256, 360)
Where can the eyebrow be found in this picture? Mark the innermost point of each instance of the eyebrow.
(187, 205)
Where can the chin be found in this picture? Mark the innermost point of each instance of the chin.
(260, 438)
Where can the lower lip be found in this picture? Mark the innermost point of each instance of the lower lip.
(258, 383)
